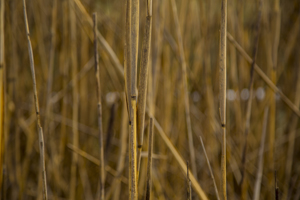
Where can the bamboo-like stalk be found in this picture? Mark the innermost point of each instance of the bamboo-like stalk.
(149, 167)
(210, 170)
(261, 157)
(265, 78)
(133, 55)
(143, 81)
(180, 161)
(222, 79)
(185, 88)
(97, 73)
(2, 93)
(37, 109)
(75, 105)
(249, 103)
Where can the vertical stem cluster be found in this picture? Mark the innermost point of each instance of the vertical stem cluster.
(97, 73)
(37, 108)
(222, 79)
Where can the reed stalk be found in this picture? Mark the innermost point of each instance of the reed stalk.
(149, 166)
(143, 82)
(99, 105)
(222, 86)
(185, 88)
(249, 103)
(2, 93)
(37, 108)
(75, 105)
(260, 159)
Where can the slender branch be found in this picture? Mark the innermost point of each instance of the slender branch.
(97, 73)
(37, 109)
(149, 167)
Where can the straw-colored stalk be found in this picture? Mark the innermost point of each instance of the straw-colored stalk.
(2, 99)
(37, 109)
(149, 167)
(74, 65)
(261, 157)
(180, 161)
(222, 79)
(210, 170)
(265, 78)
(249, 103)
(272, 124)
(133, 55)
(51, 66)
(143, 81)
(123, 144)
(189, 187)
(97, 73)
(185, 88)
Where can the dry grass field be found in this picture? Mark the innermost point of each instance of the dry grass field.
(150, 99)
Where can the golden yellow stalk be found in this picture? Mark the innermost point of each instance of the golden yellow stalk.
(222, 79)
(97, 73)
(37, 108)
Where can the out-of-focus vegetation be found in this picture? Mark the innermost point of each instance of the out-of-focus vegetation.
(180, 81)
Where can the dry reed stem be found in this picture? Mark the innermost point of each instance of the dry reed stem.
(249, 103)
(285, 99)
(132, 152)
(51, 66)
(222, 79)
(149, 167)
(143, 79)
(127, 58)
(37, 109)
(210, 170)
(185, 87)
(291, 143)
(2, 93)
(189, 188)
(103, 42)
(75, 105)
(97, 162)
(180, 161)
(123, 144)
(260, 159)
(99, 105)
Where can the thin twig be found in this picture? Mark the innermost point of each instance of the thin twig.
(149, 167)
(210, 170)
(37, 109)
(97, 73)
(260, 157)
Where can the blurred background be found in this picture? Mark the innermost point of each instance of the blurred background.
(62, 42)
